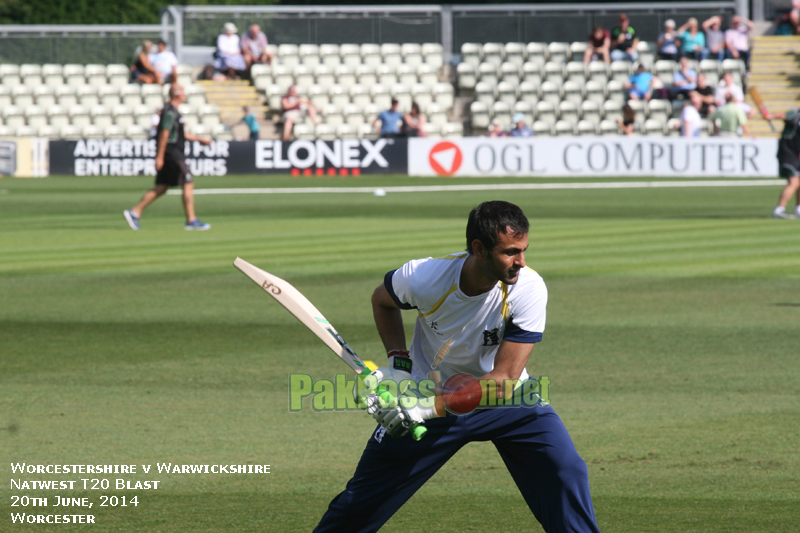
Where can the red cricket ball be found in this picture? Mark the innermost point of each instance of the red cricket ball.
(462, 393)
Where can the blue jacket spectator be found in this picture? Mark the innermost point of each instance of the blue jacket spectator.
(640, 85)
(390, 120)
(685, 80)
(520, 129)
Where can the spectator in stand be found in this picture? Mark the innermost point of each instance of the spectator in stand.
(715, 39)
(254, 47)
(165, 63)
(691, 123)
(295, 109)
(414, 122)
(736, 40)
(730, 117)
(685, 80)
(624, 40)
(667, 42)
(230, 60)
(142, 70)
(599, 46)
(794, 16)
(252, 123)
(496, 129)
(640, 85)
(390, 121)
(520, 129)
(729, 87)
(693, 41)
(627, 124)
(706, 96)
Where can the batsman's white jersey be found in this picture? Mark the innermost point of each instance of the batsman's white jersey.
(476, 324)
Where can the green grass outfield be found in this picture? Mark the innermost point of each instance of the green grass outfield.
(672, 345)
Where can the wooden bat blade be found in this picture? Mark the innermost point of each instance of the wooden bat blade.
(761, 105)
(302, 309)
(442, 353)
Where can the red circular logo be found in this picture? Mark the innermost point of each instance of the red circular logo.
(445, 158)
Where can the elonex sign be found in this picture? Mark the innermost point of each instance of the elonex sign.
(341, 153)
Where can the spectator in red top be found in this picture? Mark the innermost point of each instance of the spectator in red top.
(599, 45)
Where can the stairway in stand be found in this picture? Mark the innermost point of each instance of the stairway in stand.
(231, 96)
(775, 70)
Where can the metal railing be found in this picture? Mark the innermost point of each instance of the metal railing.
(83, 44)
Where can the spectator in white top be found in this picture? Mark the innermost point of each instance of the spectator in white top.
(667, 45)
(691, 123)
(730, 87)
(165, 63)
(229, 52)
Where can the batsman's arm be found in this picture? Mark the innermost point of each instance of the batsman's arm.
(388, 320)
(510, 361)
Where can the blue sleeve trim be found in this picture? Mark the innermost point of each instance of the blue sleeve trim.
(516, 334)
(387, 282)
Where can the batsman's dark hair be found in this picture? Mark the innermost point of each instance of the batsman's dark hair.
(490, 218)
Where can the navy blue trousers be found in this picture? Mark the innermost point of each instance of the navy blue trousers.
(532, 441)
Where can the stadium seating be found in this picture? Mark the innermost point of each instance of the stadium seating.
(70, 101)
(557, 93)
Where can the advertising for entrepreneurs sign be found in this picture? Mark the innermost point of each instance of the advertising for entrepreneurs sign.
(593, 156)
(125, 157)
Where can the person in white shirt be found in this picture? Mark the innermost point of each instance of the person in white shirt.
(691, 123)
(165, 63)
(730, 87)
(229, 52)
(490, 309)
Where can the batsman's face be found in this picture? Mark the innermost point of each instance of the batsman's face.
(508, 257)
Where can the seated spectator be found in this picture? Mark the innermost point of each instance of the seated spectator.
(667, 42)
(165, 63)
(728, 86)
(496, 129)
(230, 60)
(390, 121)
(627, 124)
(142, 70)
(414, 122)
(520, 129)
(730, 117)
(693, 41)
(295, 109)
(685, 80)
(794, 16)
(715, 39)
(252, 123)
(624, 41)
(706, 96)
(599, 46)
(640, 85)
(736, 40)
(691, 123)
(254, 47)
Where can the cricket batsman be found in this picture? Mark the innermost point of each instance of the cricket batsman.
(493, 309)
(171, 169)
(788, 161)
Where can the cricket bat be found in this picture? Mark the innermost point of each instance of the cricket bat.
(761, 106)
(303, 310)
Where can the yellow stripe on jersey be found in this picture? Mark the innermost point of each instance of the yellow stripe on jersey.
(504, 309)
(451, 257)
(441, 300)
(532, 270)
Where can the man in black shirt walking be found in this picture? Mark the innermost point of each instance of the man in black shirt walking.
(171, 169)
(788, 161)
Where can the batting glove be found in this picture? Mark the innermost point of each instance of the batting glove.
(397, 420)
(392, 377)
